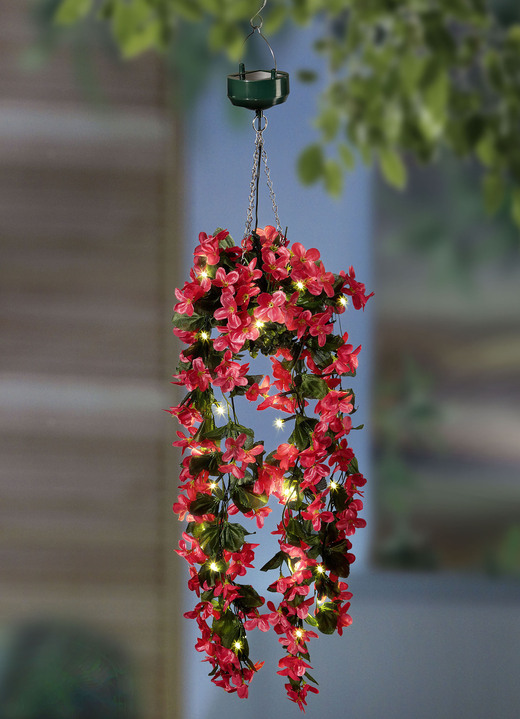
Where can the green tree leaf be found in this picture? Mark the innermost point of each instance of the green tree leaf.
(346, 156)
(393, 168)
(515, 207)
(333, 176)
(494, 191)
(70, 11)
(311, 164)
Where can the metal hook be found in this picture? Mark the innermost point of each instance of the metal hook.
(257, 14)
(257, 30)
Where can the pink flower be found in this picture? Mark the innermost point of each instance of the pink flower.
(270, 307)
(230, 374)
(302, 261)
(234, 448)
(208, 247)
(225, 280)
(355, 289)
(319, 327)
(287, 455)
(258, 390)
(229, 306)
(293, 667)
(187, 296)
(283, 378)
(300, 321)
(274, 266)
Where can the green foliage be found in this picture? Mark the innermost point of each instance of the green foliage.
(311, 164)
(71, 11)
(393, 168)
(407, 78)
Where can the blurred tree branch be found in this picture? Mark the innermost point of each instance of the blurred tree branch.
(408, 78)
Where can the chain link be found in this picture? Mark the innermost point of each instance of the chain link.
(271, 191)
(260, 154)
(252, 187)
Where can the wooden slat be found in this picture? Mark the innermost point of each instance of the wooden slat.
(59, 76)
(87, 201)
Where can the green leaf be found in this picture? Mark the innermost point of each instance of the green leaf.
(249, 597)
(311, 678)
(70, 11)
(313, 387)
(486, 151)
(346, 156)
(494, 191)
(353, 467)
(340, 498)
(136, 27)
(333, 176)
(204, 504)
(302, 434)
(327, 621)
(515, 207)
(228, 37)
(217, 433)
(335, 558)
(208, 462)
(274, 562)
(246, 501)
(228, 627)
(328, 123)
(183, 322)
(311, 164)
(306, 76)
(232, 536)
(393, 168)
(209, 539)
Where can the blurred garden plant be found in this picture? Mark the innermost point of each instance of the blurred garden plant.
(406, 77)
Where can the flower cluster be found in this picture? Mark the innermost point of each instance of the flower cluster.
(276, 299)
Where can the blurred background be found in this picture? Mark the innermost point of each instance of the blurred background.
(106, 178)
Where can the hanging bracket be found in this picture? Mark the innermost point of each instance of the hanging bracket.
(258, 89)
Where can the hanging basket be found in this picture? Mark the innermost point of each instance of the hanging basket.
(258, 89)
(266, 296)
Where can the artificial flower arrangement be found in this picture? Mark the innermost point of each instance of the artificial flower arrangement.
(277, 299)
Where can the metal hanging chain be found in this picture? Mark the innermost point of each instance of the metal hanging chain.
(260, 155)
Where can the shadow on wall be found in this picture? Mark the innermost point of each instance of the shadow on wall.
(51, 669)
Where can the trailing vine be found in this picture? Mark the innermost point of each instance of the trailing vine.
(271, 298)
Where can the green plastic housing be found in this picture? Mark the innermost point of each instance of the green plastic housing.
(258, 89)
